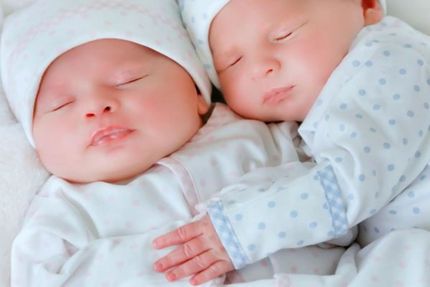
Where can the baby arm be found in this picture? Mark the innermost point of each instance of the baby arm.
(200, 252)
(245, 146)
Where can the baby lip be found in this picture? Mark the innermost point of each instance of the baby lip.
(277, 94)
(104, 135)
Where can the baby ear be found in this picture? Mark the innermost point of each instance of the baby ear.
(202, 105)
(372, 11)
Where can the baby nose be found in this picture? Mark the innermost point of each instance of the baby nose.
(100, 106)
(92, 114)
(264, 68)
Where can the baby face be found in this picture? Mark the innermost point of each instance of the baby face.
(109, 109)
(273, 57)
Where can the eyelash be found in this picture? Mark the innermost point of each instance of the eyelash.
(235, 62)
(61, 106)
(122, 84)
(283, 37)
(131, 81)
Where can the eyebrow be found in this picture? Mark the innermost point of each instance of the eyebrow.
(225, 52)
(43, 103)
(125, 70)
(290, 22)
(50, 91)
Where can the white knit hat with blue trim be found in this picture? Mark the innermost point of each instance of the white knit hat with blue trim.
(198, 16)
(35, 36)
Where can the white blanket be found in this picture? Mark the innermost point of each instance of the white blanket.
(21, 174)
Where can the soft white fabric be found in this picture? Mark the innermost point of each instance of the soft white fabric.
(409, 209)
(21, 174)
(96, 233)
(34, 37)
(399, 259)
(10, 6)
(369, 133)
(198, 16)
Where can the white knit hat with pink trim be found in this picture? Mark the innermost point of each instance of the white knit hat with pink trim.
(198, 16)
(35, 36)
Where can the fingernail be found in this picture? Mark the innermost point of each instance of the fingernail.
(171, 277)
(158, 267)
(155, 244)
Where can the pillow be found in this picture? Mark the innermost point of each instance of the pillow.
(414, 12)
(21, 174)
(10, 6)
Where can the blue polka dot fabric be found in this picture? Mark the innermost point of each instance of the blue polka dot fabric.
(369, 133)
(255, 218)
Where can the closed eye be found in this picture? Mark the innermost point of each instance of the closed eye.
(131, 81)
(283, 37)
(61, 106)
(229, 65)
(235, 62)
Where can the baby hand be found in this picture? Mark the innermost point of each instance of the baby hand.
(200, 253)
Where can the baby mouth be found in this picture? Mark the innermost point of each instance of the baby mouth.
(107, 135)
(277, 95)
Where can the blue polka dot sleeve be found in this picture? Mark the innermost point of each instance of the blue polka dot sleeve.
(369, 133)
(302, 206)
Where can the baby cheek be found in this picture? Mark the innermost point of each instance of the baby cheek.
(318, 58)
(235, 84)
(237, 96)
